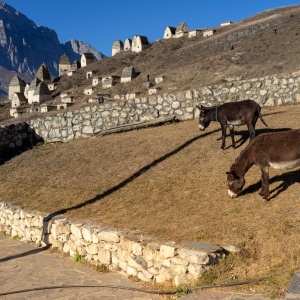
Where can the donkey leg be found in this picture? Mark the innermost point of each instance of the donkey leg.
(231, 128)
(251, 130)
(223, 135)
(264, 192)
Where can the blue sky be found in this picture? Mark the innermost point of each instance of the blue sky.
(99, 23)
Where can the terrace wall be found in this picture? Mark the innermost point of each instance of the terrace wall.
(267, 91)
(130, 253)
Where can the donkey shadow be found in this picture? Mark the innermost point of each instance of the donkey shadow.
(244, 135)
(286, 180)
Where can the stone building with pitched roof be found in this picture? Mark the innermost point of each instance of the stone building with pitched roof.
(208, 32)
(128, 73)
(18, 100)
(139, 43)
(43, 74)
(16, 85)
(64, 65)
(75, 65)
(32, 87)
(108, 82)
(127, 44)
(195, 32)
(41, 94)
(87, 59)
(117, 47)
(169, 32)
(181, 30)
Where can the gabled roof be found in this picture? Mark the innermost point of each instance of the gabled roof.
(118, 44)
(143, 39)
(88, 55)
(182, 27)
(172, 29)
(43, 73)
(64, 60)
(20, 97)
(75, 65)
(42, 89)
(17, 81)
(34, 83)
(128, 72)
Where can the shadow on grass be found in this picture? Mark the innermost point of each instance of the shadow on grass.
(244, 135)
(131, 178)
(286, 179)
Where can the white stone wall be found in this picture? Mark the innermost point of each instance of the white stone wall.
(133, 254)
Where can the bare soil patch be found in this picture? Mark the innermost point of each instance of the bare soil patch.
(170, 182)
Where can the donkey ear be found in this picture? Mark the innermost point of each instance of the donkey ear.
(232, 174)
(229, 174)
(201, 107)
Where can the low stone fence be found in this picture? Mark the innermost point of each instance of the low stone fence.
(127, 252)
(266, 91)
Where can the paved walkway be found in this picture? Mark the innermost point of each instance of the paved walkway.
(24, 266)
(26, 270)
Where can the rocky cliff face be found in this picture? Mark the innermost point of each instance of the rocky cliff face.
(25, 46)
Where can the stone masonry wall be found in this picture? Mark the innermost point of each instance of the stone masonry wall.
(14, 138)
(267, 91)
(131, 254)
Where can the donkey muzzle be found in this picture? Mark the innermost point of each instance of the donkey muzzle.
(231, 194)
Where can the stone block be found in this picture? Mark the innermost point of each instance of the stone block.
(167, 251)
(104, 256)
(195, 257)
(76, 230)
(131, 271)
(108, 236)
(86, 234)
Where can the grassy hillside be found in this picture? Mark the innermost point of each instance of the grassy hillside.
(192, 63)
(170, 181)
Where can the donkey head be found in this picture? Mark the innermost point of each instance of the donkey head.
(204, 117)
(235, 184)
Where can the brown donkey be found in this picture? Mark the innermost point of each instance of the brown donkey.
(279, 150)
(231, 114)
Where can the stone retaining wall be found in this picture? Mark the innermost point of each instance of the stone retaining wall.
(128, 252)
(85, 122)
(267, 91)
(16, 138)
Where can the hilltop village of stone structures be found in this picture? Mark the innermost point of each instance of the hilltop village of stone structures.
(34, 97)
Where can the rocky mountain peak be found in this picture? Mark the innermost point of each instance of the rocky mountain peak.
(24, 46)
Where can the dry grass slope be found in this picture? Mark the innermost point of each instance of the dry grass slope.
(169, 182)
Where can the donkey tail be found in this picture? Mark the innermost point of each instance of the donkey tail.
(260, 116)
